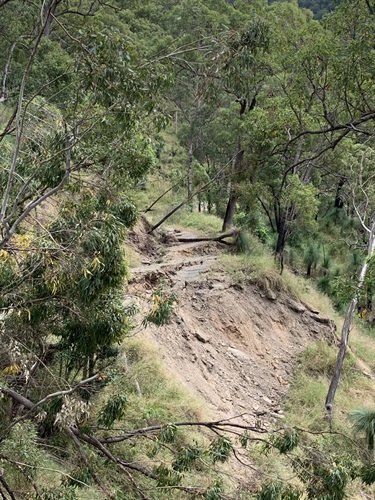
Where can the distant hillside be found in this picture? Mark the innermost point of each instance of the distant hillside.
(319, 7)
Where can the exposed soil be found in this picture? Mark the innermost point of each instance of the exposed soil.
(232, 345)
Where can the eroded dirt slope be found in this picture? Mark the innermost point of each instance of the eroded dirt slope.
(234, 346)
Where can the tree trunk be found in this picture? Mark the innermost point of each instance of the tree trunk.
(233, 196)
(190, 170)
(339, 202)
(231, 207)
(6, 72)
(209, 202)
(346, 327)
(91, 365)
(48, 13)
(280, 244)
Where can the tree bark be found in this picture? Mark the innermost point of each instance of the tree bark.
(231, 208)
(346, 327)
(233, 196)
(6, 72)
(339, 202)
(48, 14)
(219, 239)
(190, 170)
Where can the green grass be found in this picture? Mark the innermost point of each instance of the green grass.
(203, 222)
(304, 406)
(259, 268)
(153, 399)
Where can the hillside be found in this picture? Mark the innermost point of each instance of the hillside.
(234, 344)
(242, 343)
(187, 250)
(318, 7)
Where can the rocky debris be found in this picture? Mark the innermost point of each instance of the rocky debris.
(297, 307)
(232, 345)
(321, 319)
(202, 337)
(270, 294)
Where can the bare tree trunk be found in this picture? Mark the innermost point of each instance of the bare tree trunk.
(231, 208)
(233, 196)
(280, 244)
(193, 138)
(6, 72)
(190, 170)
(48, 14)
(346, 327)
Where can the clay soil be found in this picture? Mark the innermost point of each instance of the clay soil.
(234, 346)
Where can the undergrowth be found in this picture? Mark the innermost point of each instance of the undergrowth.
(304, 405)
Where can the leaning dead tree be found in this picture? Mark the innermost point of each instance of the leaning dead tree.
(369, 228)
(347, 323)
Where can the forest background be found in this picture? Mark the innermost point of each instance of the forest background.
(262, 115)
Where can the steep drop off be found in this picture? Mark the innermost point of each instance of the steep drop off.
(233, 344)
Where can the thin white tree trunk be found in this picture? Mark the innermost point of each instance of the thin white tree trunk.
(6, 73)
(346, 327)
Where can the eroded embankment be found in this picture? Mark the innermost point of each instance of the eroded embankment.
(233, 345)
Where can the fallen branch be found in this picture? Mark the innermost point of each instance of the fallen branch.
(85, 460)
(160, 197)
(219, 239)
(221, 425)
(27, 403)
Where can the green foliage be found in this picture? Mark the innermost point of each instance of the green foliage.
(275, 490)
(215, 491)
(166, 476)
(221, 449)
(80, 477)
(287, 442)
(367, 474)
(311, 257)
(113, 410)
(186, 459)
(20, 445)
(168, 434)
(324, 478)
(59, 493)
(363, 422)
(89, 115)
(304, 197)
(162, 308)
(243, 243)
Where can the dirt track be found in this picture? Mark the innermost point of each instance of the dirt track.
(234, 346)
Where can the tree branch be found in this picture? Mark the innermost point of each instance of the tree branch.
(193, 195)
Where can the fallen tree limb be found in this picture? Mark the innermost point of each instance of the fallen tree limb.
(85, 460)
(159, 198)
(219, 239)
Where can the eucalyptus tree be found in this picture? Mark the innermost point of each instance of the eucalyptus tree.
(73, 123)
(74, 142)
(310, 106)
(361, 183)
